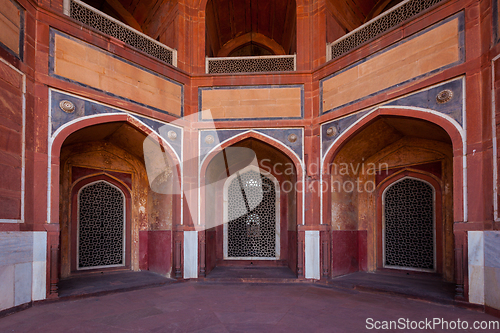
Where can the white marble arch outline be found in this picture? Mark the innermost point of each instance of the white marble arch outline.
(461, 129)
(494, 141)
(74, 121)
(281, 144)
(227, 183)
(433, 226)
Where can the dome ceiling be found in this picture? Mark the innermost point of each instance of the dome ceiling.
(234, 23)
(235, 26)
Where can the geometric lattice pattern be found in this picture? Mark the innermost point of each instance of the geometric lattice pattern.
(100, 226)
(380, 26)
(98, 21)
(251, 230)
(409, 225)
(251, 64)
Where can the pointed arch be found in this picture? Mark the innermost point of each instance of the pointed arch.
(76, 203)
(228, 183)
(254, 37)
(449, 125)
(255, 135)
(299, 166)
(62, 133)
(436, 185)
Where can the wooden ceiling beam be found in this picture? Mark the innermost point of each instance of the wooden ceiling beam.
(125, 14)
(251, 37)
(344, 14)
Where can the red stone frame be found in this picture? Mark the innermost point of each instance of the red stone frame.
(89, 121)
(55, 151)
(458, 198)
(77, 185)
(438, 216)
(453, 132)
(283, 225)
(299, 208)
(310, 51)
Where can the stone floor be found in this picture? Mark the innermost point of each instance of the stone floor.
(251, 274)
(410, 285)
(97, 284)
(230, 307)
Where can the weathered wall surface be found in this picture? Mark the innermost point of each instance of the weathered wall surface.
(429, 51)
(86, 64)
(11, 142)
(251, 102)
(406, 153)
(102, 156)
(354, 207)
(10, 25)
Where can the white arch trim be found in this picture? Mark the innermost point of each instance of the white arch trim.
(124, 247)
(283, 146)
(227, 183)
(433, 224)
(494, 140)
(460, 129)
(101, 115)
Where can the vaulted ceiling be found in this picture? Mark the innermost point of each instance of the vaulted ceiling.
(231, 24)
(139, 14)
(239, 27)
(350, 14)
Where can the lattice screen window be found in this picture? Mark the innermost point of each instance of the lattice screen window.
(101, 221)
(92, 17)
(409, 225)
(378, 26)
(251, 233)
(250, 64)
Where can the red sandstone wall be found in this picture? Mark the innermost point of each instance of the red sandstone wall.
(311, 39)
(11, 141)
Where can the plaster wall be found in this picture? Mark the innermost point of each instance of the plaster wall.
(107, 157)
(355, 211)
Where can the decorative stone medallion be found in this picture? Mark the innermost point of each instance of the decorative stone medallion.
(444, 96)
(292, 138)
(172, 135)
(67, 106)
(331, 131)
(209, 139)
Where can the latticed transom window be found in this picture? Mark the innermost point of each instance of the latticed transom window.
(387, 21)
(96, 19)
(409, 225)
(101, 222)
(251, 227)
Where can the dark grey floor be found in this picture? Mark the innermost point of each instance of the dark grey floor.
(232, 307)
(94, 284)
(425, 287)
(280, 274)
